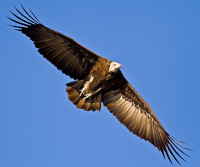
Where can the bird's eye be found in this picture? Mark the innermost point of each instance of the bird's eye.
(114, 64)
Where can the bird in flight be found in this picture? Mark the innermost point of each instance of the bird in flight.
(98, 80)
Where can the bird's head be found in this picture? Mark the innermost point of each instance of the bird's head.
(114, 66)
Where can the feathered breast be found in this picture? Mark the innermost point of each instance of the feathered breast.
(99, 73)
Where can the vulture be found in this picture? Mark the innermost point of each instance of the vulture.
(98, 80)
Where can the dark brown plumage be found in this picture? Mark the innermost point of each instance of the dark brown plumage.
(98, 80)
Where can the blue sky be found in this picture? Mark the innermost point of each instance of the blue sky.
(157, 42)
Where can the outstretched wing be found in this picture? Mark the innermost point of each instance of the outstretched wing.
(65, 53)
(132, 111)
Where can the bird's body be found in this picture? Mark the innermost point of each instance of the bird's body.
(89, 92)
(98, 80)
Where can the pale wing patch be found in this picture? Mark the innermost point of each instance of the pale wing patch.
(140, 122)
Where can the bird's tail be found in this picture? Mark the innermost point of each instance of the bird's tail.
(73, 90)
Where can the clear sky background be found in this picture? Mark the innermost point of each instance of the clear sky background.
(158, 44)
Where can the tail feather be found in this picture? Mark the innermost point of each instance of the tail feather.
(70, 91)
(97, 102)
(73, 90)
(74, 97)
(81, 103)
(87, 106)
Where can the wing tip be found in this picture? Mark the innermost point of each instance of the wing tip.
(173, 144)
(25, 19)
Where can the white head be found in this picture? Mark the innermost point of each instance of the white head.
(114, 66)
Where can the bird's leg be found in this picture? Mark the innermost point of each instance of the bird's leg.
(97, 90)
(82, 91)
(92, 93)
(86, 86)
(87, 95)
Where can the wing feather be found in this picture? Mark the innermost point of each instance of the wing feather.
(122, 107)
(56, 47)
(135, 124)
(133, 112)
(128, 116)
(122, 115)
(143, 126)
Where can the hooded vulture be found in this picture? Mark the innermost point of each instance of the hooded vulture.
(97, 80)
